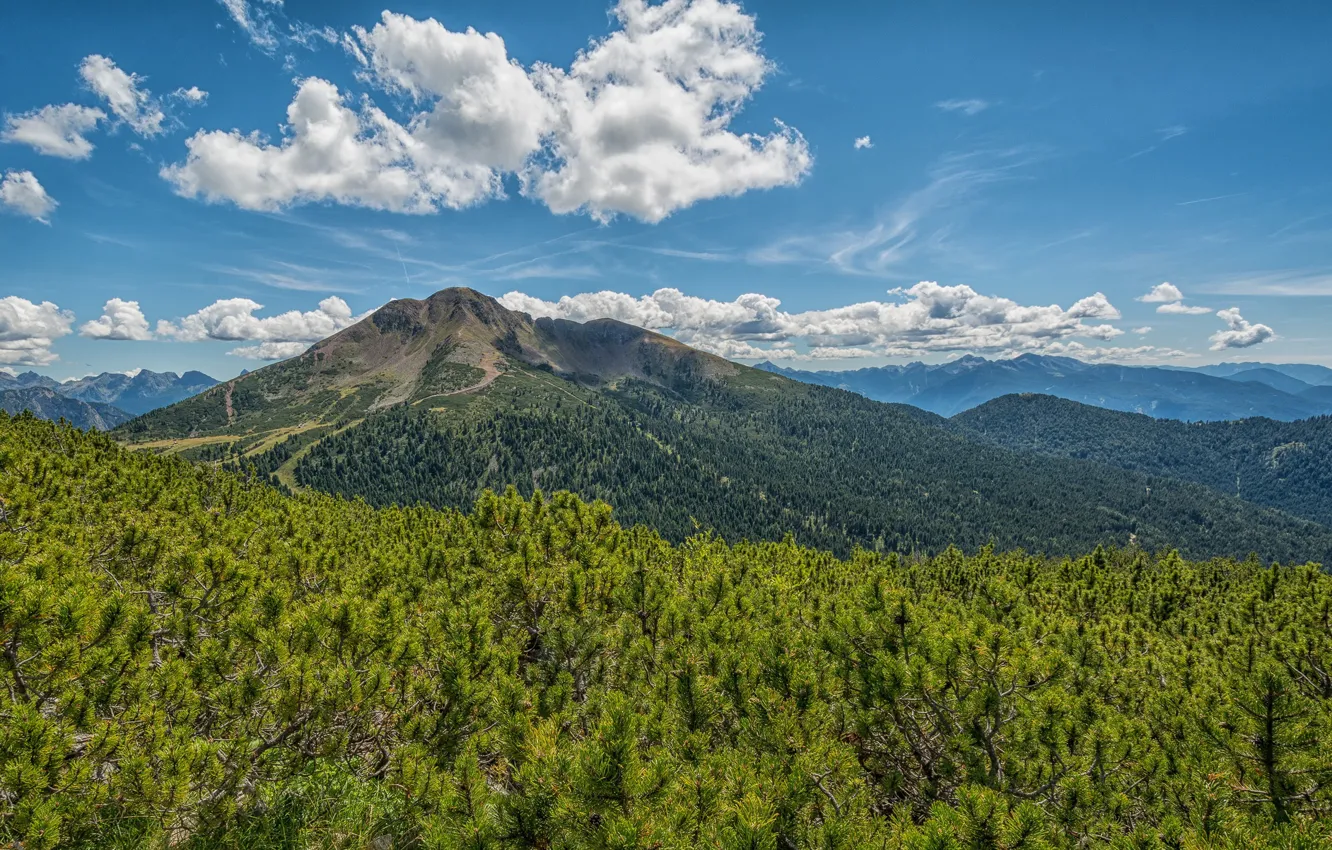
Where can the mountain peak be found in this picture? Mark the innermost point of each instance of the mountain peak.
(415, 351)
(409, 317)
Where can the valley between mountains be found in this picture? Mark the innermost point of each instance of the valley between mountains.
(434, 401)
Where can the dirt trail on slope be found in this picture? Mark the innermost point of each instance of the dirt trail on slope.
(490, 367)
(231, 411)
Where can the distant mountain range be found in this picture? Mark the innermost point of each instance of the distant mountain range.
(1220, 392)
(432, 401)
(139, 394)
(108, 399)
(46, 403)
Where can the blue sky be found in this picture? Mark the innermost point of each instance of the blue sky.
(1043, 170)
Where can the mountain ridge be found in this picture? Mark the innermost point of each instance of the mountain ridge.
(437, 399)
(129, 394)
(138, 393)
(1165, 393)
(45, 403)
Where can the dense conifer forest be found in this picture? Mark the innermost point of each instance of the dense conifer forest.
(191, 658)
(758, 462)
(1285, 465)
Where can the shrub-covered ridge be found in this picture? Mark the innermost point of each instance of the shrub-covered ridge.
(191, 659)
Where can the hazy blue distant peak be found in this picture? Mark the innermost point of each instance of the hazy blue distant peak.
(1208, 393)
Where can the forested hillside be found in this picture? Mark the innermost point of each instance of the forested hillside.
(831, 468)
(1285, 465)
(195, 660)
(435, 400)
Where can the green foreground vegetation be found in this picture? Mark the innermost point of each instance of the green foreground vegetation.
(192, 659)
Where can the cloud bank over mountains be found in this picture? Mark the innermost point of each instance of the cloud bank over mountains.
(228, 320)
(927, 319)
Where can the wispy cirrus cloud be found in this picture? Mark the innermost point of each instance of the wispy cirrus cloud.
(1211, 199)
(967, 106)
(280, 274)
(1163, 135)
(720, 256)
(1282, 282)
(545, 270)
(921, 220)
(1180, 309)
(255, 20)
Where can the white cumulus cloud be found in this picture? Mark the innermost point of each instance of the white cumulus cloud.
(330, 153)
(270, 350)
(22, 193)
(1162, 292)
(928, 318)
(1171, 301)
(120, 320)
(645, 116)
(55, 130)
(28, 330)
(233, 319)
(127, 100)
(862, 142)
(1242, 333)
(638, 124)
(192, 95)
(484, 110)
